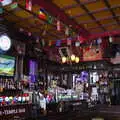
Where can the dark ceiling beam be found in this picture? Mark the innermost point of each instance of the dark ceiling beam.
(91, 15)
(23, 19)
(76, 5)
(58, 13)
(96, 11)
(104, 25)
(105, 34)
(104, 18)
(108, 5)
(94, 36)
(35, 15)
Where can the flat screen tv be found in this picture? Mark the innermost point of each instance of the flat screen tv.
(7, 65)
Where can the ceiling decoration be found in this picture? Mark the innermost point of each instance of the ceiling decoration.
(86, 19)
(82, 16)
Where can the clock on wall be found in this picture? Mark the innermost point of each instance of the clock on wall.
(6, 2)
(5, 43)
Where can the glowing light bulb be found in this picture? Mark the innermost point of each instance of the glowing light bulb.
(73, 57)
(64, 59)
(77, 59)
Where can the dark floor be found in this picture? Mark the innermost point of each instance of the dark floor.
(107, 113)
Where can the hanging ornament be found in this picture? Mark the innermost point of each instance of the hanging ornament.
(67, 31)
(77, 43)
(70, 32)
(44, 32)
(58, 25)
(45, 29)
(29, 33)
(110, 39)
(43, 42)
(69, 41)
(50, 43)
(37, 40)
(14, 5)
(42, 14)
(58, 43)
(50, 19)
(29, 5)
(99, 41)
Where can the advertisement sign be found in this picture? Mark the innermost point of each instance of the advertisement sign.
(92, 53)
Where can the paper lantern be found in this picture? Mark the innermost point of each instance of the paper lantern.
(29, 5)
(69, 42)
(58, 25)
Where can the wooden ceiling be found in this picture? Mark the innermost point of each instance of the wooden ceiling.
(81, 16)
(95, 16)
(30, 22)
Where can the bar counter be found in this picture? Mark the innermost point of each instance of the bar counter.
(103, 112)
(10, 112)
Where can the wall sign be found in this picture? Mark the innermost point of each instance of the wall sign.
(5, 43)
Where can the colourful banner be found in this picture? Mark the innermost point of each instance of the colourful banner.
(42, 14)
(58, 42)
(29, 5)
(69, 41)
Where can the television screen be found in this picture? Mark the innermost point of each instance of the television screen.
(7, 65)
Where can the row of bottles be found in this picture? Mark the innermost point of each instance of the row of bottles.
(7, 83)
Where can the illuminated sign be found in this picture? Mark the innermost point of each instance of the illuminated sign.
(5, 43)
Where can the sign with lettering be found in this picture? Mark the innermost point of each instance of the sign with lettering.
(23, 110)
(12, 111)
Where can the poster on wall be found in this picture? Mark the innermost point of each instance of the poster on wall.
(92, 53)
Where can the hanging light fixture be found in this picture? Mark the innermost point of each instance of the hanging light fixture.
(72, 57)
(77, 59)
(64, 59)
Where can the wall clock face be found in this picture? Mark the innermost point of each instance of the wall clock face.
(5, 43)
